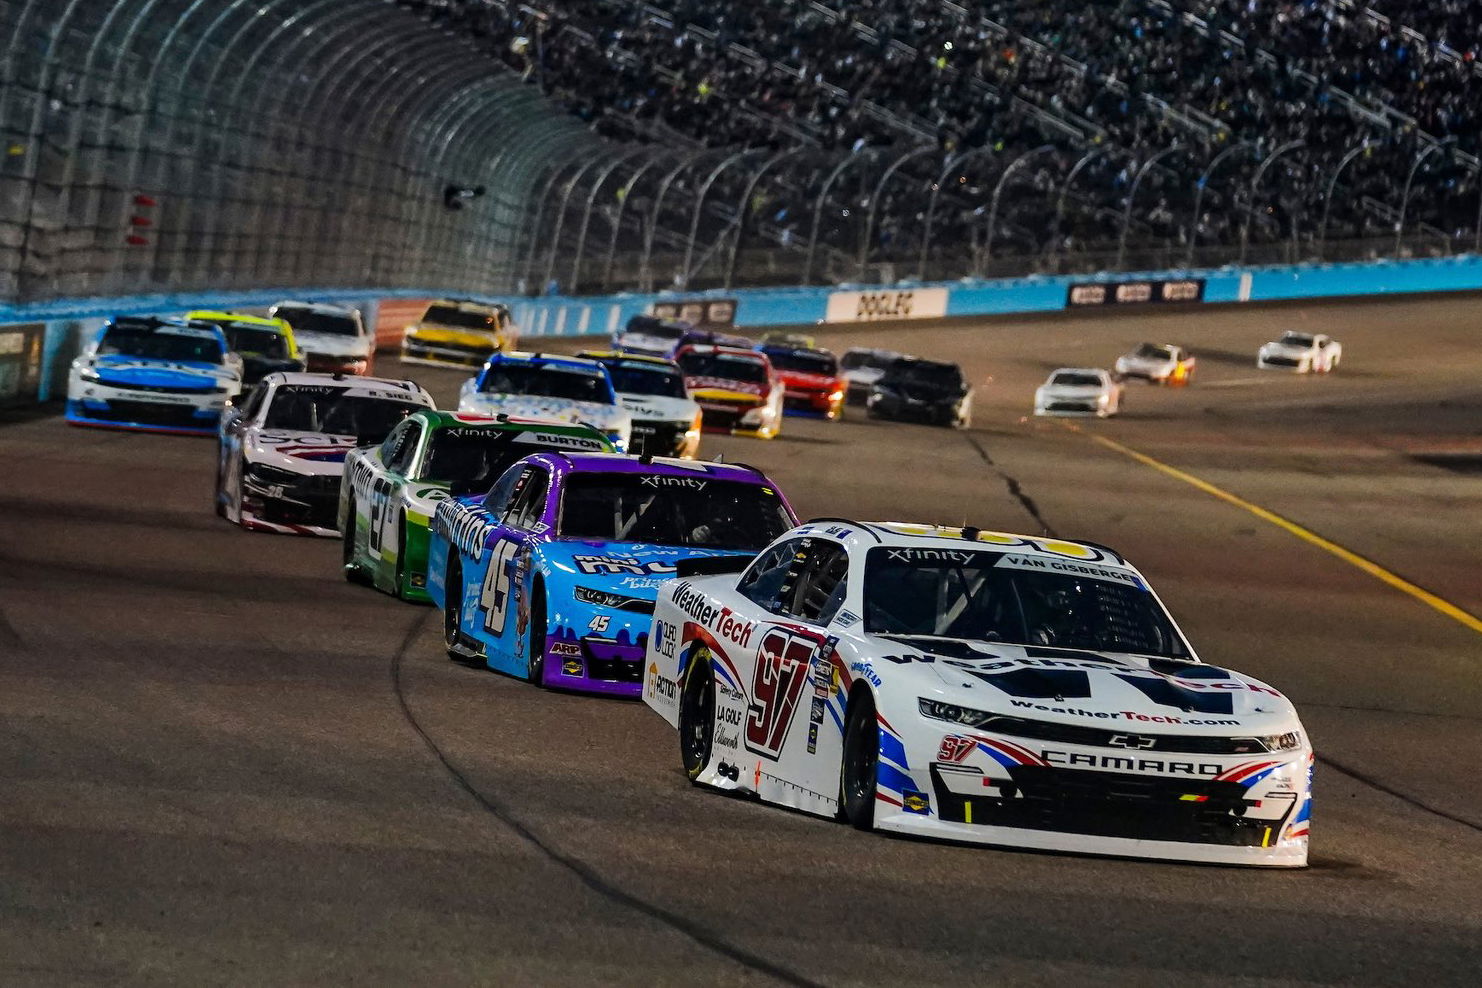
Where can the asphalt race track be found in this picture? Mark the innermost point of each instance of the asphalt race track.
(224, 764)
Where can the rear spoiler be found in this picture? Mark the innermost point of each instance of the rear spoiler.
(711, 565)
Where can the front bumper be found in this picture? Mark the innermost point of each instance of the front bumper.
(1246, 809)
(192, 413)
(817, 404)
(901, 410)
(1278, 362)
(656, 438)
(595, 664)
(307, 506)
(415, 350)
(729, 418)
(1091, 408)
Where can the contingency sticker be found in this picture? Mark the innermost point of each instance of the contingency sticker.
(1068, 567)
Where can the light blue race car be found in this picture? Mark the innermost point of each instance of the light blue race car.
(155, 375)
(552, 575)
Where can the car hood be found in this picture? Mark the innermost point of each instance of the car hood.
(450, 334)
(334, 343)
(657, 408)
(608, 418)
(719, 387)
(633, 568)
(118, 369)
(1108, 690)
(864, 375)
(799, 381)
(1070, 391)
(301, 452)
(1146, 363)
(642, 343)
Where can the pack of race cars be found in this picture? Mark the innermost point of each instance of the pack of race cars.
(943, 682)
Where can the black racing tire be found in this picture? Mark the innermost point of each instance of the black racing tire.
(697, 714)
(535, 662)
(452, 612)
(400, 574)
(347, 545)
(221, 485)
(861, 762)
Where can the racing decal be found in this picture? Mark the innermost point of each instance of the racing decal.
(659, 480)
(1127, 763)
(1011, 561)
(382, 531)
(494, 595)
(722, 620)
(665, 639)
(613, 565)
(466, 528)
(1166, 692)
(660, 686)
(915, 801)
(722, 384)
(783, 662)
(1249, 773)
(1126, 715)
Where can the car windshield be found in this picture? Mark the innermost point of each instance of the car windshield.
(856, 359)
(637, 378)
(469, 460)
(306, 320)
(723, 366)
(449, 315)
(263, 341)
(160, 344)
(941, 377)
(1296, 339)
(804, 362)
(665, 509)
(1072, 380)
(1153, 351)
(548, 381)
(1016, 599)
(321, 408)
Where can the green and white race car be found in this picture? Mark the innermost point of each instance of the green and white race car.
(391, 491)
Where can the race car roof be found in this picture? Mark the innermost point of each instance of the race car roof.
(864, 534)
(439, 419)
(326, 307)
(211, 315)
(728, 351)
(668, 466)
(543, 359)
(618, 357)
(350, 382)
(157, 324)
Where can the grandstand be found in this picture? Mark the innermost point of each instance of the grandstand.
(895, 138)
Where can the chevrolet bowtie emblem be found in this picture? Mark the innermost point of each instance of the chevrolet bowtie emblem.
(1132, 741)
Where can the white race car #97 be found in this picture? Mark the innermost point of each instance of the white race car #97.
(974, 686)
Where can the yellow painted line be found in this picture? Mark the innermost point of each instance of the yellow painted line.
(1306, 535)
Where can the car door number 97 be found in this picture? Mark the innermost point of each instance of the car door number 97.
(495, 594)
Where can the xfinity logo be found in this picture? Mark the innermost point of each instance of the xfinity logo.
(1131, 741)
(929, 555)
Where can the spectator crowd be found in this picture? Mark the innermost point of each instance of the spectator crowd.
(1132, 100)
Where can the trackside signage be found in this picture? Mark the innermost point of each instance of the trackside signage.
(1134, 292)
(916, 303)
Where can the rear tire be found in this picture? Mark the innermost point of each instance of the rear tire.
(400, 574)
(697, 714)
(861, 762)
(347, 547)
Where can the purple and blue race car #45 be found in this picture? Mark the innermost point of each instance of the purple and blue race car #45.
(552, 575)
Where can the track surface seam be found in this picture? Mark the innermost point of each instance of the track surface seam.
(1016, 490)
(579, 869)
(1402, 797)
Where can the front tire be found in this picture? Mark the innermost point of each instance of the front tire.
(400, 573)
(347, 546)
(453, 611)
(697, 714)
(535, 664)
(861, 762)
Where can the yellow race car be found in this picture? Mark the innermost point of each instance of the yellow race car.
(265, 345)
(458, 332)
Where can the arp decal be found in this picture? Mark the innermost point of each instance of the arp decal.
(782, 665)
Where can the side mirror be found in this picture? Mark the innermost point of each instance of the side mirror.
(711, 565)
